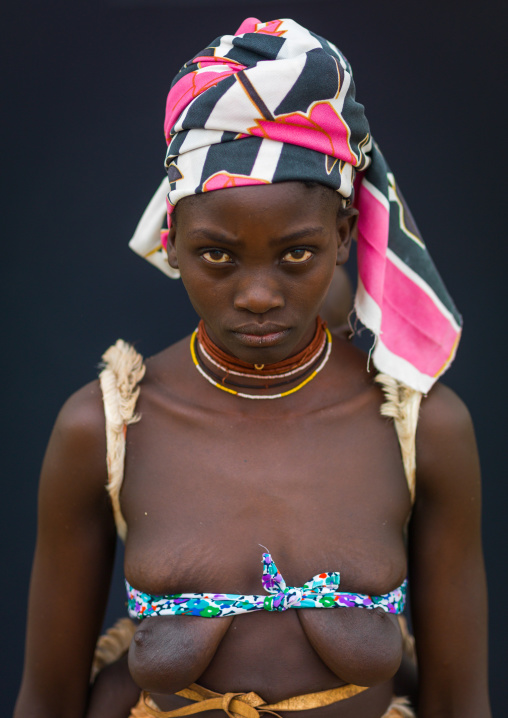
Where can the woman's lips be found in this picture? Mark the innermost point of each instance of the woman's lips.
(270, 338)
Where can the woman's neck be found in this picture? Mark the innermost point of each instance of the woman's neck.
(260, 381)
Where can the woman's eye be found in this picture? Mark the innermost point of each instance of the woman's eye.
(216, 256)
(297, 255)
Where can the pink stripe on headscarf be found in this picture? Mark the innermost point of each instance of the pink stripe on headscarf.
(413, 327)
(373, 226)
(164, 238)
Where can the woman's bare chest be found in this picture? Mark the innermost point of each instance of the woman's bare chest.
(323, 492)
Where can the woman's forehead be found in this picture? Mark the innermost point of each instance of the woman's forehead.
(275, 202)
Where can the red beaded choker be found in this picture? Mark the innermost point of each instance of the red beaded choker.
(237, 367)
(301, 367)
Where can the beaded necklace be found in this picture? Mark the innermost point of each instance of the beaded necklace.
(286, 367)
(318, 351)
(258, 374)
(222, 380)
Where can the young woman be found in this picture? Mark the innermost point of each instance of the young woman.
(259, 479)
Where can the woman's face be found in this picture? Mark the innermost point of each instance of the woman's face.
(257, 262)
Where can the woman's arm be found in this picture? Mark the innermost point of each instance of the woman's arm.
(447, 578)
(72, 565)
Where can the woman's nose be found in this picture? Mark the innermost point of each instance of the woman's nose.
(258, 294)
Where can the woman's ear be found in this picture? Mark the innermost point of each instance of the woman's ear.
(346, 231)
(171, 247)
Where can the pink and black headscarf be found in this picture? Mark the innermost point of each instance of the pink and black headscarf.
(276, 102)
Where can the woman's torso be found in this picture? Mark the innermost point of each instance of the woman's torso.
(318, 480)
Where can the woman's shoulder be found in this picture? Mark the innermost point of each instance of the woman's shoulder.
(124, 369)
(446, 453)
(79, 432)
(74, 467)
(78, 442)
(170, 359)
(443, 414)
(81, 418)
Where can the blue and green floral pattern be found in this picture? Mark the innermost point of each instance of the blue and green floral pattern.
(322, 591)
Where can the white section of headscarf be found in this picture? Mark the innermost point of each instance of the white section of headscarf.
(298, 39)
(267, 160)
(146, 240)
(190, 164)
(274, 93)
(195, 140)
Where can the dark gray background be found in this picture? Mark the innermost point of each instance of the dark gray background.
(83, 152)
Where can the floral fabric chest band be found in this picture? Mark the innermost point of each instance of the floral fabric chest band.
(322, 591)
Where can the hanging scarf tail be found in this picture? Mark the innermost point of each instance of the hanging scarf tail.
(149, 238)
(276, 103)
(400, 296)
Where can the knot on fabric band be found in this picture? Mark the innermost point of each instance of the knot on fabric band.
(290, 597)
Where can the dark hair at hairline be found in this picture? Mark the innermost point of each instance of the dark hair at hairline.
(313, 184)
(310, 184)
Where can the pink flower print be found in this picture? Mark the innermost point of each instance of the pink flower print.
(192, 85)
(252, 24)
(321, 129)
(222, 180)
(271, 28)
(248, 25)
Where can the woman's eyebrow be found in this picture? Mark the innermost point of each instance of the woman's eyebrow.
(203, 233)
(299, 234)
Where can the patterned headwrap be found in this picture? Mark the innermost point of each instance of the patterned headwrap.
(273, 103)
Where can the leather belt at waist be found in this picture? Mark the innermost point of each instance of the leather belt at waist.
(247, 705)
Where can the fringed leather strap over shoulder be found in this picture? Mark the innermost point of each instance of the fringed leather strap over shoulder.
(119, 379)
(403, 405)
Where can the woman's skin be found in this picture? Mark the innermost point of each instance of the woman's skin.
(338, 303)
(316, 477)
